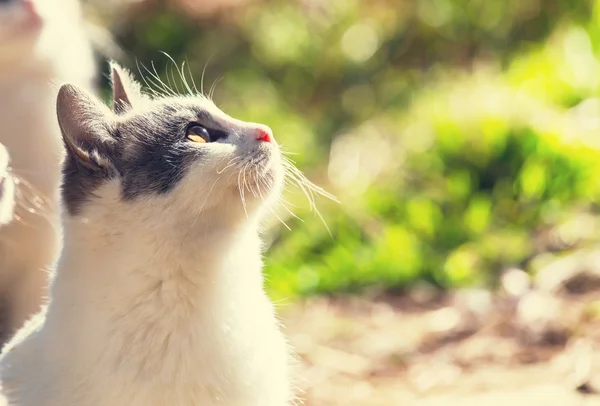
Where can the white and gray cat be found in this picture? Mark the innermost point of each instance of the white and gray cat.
(158, 295)
(42, 42)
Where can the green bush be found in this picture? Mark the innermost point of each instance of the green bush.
(455, 133)
(476, 182)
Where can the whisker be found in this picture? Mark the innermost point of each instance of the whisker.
(289, 211)
(152, 85)
(259, 181)
(168, 70)
(137, 63)
(206, 199)
(232, 162)
(202, 77)
(245, 181)
(308, 188)
(288, 202)
(158, 82)
(213, 87)
(284, 150)
(185, 82)
(288, 163)
(181, 72)
(176, 91)
(280, 219)
(191, 76)
(241, 189)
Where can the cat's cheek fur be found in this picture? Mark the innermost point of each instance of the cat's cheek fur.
(225, 190)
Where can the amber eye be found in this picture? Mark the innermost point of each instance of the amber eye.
(197, 133)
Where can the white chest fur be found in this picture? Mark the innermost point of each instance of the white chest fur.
(153, 327)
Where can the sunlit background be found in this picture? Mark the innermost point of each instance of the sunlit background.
(462, 138)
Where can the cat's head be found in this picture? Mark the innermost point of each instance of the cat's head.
(27, 26)
(179, 158)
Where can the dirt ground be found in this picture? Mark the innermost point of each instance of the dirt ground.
(472, 347)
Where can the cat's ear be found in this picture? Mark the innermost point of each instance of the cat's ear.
(126, 91)
(86, 126)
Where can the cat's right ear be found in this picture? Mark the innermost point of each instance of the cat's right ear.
(126, 91)
(86, 126)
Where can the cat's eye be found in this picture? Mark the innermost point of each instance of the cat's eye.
(197, 133)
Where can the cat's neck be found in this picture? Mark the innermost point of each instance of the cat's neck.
(119, 256)
(205, 252)
(138, 305)
(150, 273)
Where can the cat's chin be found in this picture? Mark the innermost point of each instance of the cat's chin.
(260, 188)
(267, 175)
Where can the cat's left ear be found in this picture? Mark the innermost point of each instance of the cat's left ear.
(87, 126)
(127, 93)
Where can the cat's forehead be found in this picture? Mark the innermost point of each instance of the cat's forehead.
(171, 110)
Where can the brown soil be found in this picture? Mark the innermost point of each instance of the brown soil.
(468, 347)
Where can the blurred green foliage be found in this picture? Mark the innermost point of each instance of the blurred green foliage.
(458, 134)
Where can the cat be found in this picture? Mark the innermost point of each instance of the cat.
(41, 43)
(158, 294)
(7, 188)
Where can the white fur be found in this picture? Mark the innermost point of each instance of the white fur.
(160, 301)
(32, 61)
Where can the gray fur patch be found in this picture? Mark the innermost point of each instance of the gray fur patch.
(80, 182)
(161, 157)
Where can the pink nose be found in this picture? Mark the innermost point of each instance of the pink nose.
(263, 135)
